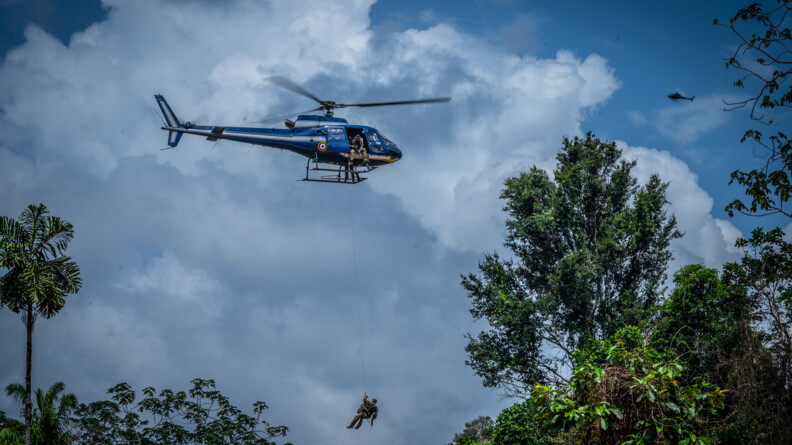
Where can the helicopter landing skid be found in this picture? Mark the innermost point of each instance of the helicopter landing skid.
(345, 174)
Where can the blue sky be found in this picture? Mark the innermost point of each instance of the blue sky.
(654, 48)
(216, 263)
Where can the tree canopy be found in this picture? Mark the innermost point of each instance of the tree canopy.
(202, 415)
(589, 252)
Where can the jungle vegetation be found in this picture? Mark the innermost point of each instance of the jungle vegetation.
(579, 331)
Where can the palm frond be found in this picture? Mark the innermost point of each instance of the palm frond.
(16, 391)
(54, 238)
(58, 278)
(12, 238)
(40, 399)
(10, 436)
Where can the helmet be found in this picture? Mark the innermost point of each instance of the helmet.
(374, 400)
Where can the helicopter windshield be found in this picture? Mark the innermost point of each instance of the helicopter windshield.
(385, 141)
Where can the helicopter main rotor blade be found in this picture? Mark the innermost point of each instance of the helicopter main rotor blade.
(400, 102)
(291, 86)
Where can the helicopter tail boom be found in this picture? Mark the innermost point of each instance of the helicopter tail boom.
(170, 119)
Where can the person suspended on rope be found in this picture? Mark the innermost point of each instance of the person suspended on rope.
(368, 410)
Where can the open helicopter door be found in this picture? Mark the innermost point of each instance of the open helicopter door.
(352, 133)
(351, 164)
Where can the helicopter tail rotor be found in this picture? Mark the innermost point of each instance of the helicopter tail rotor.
(171, 120)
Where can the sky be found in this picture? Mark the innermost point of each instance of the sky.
(214, 262)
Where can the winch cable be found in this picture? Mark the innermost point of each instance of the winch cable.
(357, 288)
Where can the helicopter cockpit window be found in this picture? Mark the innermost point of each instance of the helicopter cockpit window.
(386, 140)
(373, 137)
(375, 144)
(336, 134)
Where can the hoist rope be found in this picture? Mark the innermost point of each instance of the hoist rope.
(357, 288)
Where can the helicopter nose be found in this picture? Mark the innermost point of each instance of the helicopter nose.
(395, 153)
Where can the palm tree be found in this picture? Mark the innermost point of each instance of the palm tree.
(52, 412)
(38, 277)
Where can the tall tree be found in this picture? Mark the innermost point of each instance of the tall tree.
(589, 248)
(38, 276)
(764, 58)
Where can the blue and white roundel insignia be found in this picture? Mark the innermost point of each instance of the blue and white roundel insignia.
(322, 146)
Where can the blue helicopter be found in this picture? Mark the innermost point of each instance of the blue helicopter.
(323, 139)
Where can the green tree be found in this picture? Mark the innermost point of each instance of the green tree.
(766, 271)
(38, 277)
(756, 362)
(201, 415)
(590, 249)
(764, 59)
(51, 414)
(623, 391)
(11, 430)
(12, 436)
(698, 320)
(477, 431)
(733, 330)
(515, 425)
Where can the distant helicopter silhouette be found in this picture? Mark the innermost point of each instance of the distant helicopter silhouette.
(675, 96)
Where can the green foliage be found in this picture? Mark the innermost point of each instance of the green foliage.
(201, 415)
(765, 61)
(590, 251)
(757, 360)
(38, 277)
(733, 329)
(768, 187)
(763, 279)
(11, 430)
(477, 432)
(51, 413)
(698, 319)
(515, 426)
(6, 422)
(631, 394)
(12, 436)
